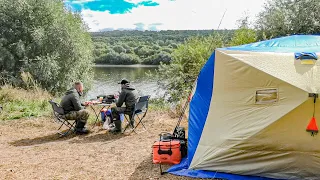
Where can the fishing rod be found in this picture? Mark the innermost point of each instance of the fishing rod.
(192, 87)
(222, 18)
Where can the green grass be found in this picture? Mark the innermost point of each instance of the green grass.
(158, 105)
(20, 103)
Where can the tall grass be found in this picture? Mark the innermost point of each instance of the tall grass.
(159, 105)
(20, 103)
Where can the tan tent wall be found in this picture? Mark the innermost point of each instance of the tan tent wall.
(228, 142)
(283, 66)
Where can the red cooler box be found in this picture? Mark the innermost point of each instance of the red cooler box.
(166, 152)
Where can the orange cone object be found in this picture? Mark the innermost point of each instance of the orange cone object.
(312, 126)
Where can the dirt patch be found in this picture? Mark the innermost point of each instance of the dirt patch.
(31, 149)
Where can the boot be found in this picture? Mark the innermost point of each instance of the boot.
(117, 127)
(80, 129)
(132, 123)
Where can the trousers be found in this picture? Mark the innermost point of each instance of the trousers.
(82, 115)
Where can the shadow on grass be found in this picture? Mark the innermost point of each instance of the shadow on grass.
(89, 138)
(101, 137)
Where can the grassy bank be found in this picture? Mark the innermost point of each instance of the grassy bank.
(20, 103)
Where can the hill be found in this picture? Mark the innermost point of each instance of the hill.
(143, 47)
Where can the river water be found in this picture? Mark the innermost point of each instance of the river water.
(106, 78)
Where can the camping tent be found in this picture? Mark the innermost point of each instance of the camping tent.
(250, 110)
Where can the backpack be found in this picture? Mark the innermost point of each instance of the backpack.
(108, 99)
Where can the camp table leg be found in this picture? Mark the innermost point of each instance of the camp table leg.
(98, 113)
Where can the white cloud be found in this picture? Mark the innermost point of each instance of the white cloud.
(177, 15)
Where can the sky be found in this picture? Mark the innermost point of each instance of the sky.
(101, 15)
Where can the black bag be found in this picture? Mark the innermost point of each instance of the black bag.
(108, 99)
(183, 148)
(180, 134)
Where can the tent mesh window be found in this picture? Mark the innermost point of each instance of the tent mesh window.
(266, 96)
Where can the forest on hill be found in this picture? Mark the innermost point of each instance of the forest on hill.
(143, 47)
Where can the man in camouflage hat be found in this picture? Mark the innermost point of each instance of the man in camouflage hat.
(73, 108)
(128, 96)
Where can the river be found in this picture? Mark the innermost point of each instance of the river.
(106, 78)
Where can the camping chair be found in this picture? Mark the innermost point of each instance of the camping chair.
(140, 108)
(60, 118)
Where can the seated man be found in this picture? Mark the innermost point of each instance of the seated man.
(74, 109)
(128, 96)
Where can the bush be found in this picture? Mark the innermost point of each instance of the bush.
(188, 59)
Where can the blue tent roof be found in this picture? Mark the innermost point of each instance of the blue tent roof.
(294, 43)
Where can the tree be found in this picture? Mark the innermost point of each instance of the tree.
(243, 35)
(156, 59)
(285, 17)
(47, 40)
(119, 49)
(188, 59)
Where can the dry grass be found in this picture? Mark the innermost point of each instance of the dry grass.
(9, 93)
(31, 149)
(20, 103)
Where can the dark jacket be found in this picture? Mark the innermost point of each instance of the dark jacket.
(71, 101)
(128, 96)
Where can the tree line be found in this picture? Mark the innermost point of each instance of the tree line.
(137, 47)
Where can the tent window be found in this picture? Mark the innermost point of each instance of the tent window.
(266, 96)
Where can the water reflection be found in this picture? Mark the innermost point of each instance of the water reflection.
(106, 79)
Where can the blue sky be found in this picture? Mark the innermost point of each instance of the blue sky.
(163, 14)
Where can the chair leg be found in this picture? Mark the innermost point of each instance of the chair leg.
(129, 124)
(63, 121)
(140, 122)
(61, 125)
(69, 125)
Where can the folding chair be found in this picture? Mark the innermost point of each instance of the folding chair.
(60, 118)
(140, 108)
